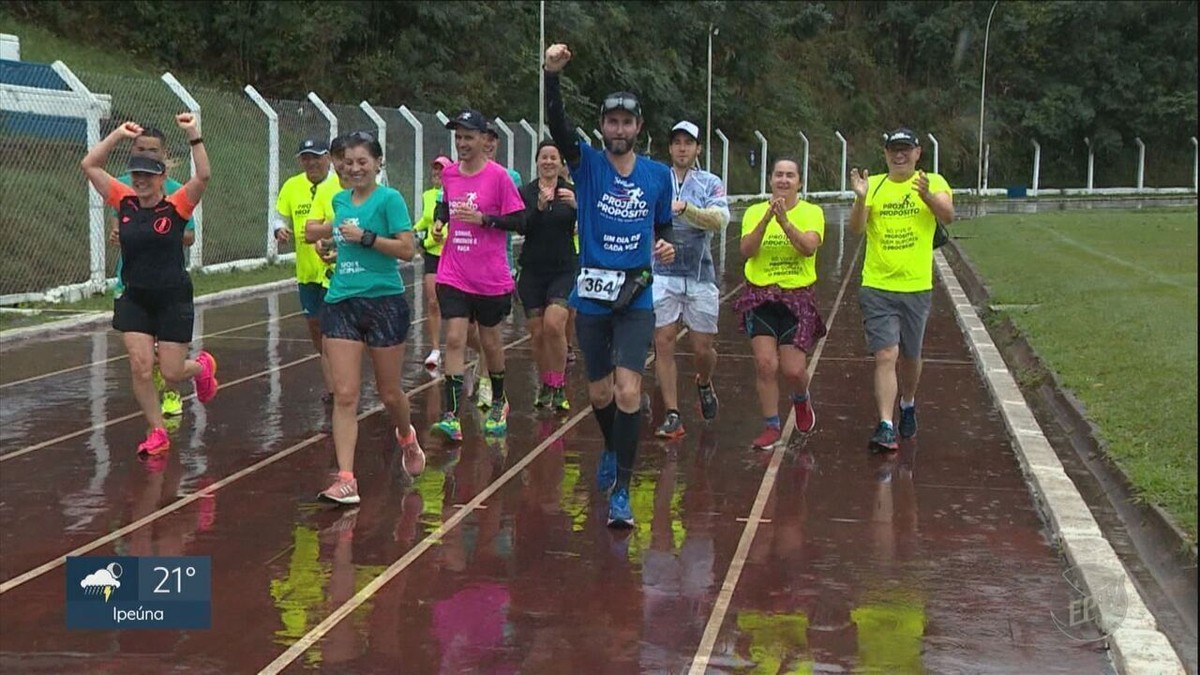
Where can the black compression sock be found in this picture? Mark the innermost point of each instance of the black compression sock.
(497, 389)
(605, 417)
(454, 387)
(626, 428)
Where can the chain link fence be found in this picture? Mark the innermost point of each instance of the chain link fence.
(53, 234)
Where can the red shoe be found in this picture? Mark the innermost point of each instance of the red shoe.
(768, 438)
(806, 419)
(414, 457)
(206, 380)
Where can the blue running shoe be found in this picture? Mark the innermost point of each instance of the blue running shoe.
(619, 513)
(908, 421)
(606, 475)
(884, 439)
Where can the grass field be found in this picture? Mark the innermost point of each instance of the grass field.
(204, 284)
(1108, 300)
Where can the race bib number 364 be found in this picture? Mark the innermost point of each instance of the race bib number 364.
(599, 284)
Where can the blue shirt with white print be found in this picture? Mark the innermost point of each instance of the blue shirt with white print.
(616, 216)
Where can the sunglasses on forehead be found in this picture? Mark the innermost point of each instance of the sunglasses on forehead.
(362, 137)
(621, 102)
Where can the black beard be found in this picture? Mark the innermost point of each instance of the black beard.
(618, 146)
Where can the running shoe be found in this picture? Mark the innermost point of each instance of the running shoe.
(884, 439)
(708, 400)
(483, 393)
(157, 442)
(206, 380)
(496, 422)
(544, 395)
(450, 425)
(171, 424)
(341, 492)
(414, 457)
(908, 421)
(172, 403)
(558, 400)
(768, 438)
(806, 418)
(606, 473)
(434, 358)
(619, 512)
(671, 428)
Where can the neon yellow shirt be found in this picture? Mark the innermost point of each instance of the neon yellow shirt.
(299, 202)
(777, 261)
(429, 200)
(900, 229)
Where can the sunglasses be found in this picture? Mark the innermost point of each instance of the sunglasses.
(362, 137)
(627, 103)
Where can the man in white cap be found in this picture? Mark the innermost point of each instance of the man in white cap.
(686, 288)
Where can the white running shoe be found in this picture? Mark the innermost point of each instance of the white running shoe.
(434, 358)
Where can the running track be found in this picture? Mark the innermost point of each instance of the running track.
(498, 558)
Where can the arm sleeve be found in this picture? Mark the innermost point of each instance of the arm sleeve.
(118, 191)
(396, 213)
(442, 212)
(556, 119)
(512, 222)
(183, 205)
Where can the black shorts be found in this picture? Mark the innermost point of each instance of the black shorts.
(610, 341)
(166, 314)
(431, 262)
(485, 310)
(379, 322)
(773, 320)
(539, 290)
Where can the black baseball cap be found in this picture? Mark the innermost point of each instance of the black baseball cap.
(492, 129)
(621, 100)
(312, 146)
(143, 164)
(902, 136)
(470, 119)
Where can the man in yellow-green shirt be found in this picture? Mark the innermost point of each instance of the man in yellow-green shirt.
(297, 196)
(900, 212)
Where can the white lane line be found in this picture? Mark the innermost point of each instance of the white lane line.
(125, 418)
(345, 609)
(179, 504)
(122, 357)
(725, 596)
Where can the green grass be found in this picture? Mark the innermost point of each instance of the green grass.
(204, 284)
(1116, 320)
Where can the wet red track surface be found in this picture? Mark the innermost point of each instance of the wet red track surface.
(932, 560)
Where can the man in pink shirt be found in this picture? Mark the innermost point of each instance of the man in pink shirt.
(480, 205)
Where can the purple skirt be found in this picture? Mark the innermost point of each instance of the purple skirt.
(801, 302)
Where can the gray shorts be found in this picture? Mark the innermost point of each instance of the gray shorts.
(891, 319)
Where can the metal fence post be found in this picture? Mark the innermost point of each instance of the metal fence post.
(381, 127)
(453, 148)
(1037, 165)
(1195, 165)
(724, 158)
(97, 241)
(1091, 171)
(935, 152)
(418, 161)
(272, 166)
(804, 174)
(1141, 170)
(508, 133)
(762, 162)
(533, 143)
(326, 113)
(987, 163)
(583, 135)
(842, 139)
(197, 251)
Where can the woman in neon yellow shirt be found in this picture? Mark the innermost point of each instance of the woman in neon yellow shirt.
(780, 238)
(432, 239)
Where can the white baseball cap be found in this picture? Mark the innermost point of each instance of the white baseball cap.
(687, 128)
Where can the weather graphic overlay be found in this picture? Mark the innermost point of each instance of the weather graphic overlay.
(127, 592)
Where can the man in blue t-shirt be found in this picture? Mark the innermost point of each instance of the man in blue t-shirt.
(624, 215)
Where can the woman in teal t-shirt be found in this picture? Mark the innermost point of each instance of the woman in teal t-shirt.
(365, 305)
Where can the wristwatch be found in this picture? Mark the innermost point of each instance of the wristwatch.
(368, 239)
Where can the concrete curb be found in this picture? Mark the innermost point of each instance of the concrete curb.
(51, 327)
(1137, 644)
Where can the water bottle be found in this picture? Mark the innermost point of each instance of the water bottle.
(631, 289)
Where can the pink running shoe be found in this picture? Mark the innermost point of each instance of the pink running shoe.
(769, 437)
(806, 418)
(157, 442)
(206, 381)
(341, 492)
(414, 457)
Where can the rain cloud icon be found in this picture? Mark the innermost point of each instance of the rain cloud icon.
(103, 580)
